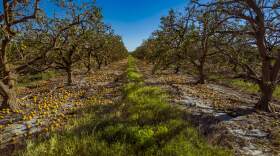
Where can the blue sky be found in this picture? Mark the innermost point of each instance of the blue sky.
(135, 20)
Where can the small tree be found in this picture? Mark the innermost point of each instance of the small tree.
(168, 40)
(71, 38)
(204, 24)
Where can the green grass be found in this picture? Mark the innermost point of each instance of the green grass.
(141, 124)
(251, 87)
(244, 85)
(132, 73)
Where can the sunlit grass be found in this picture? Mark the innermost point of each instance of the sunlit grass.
(251, 87)
(132, 73)
(244, 85)
(247, 86)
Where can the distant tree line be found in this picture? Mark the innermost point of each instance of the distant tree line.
(32, 42)
(234, 36)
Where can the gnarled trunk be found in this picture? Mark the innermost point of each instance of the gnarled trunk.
(266, 96)
(7, 90)
(10, 95)
(269, 74)
(7, 84)
(9, 100)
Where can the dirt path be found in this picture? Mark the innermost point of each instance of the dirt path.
(225, 116)
(49, 106)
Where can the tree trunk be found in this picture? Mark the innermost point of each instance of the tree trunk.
(201, 79)
(267, 84)
(99, 64)
(88, 64)
(105, 62)
(8, 82)
(9, 100)
(10, 97)
(177, 69)
(69, 76)
(154, 70)
(234, 68)
(204, 52)
(266, 96)
(88, 69)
